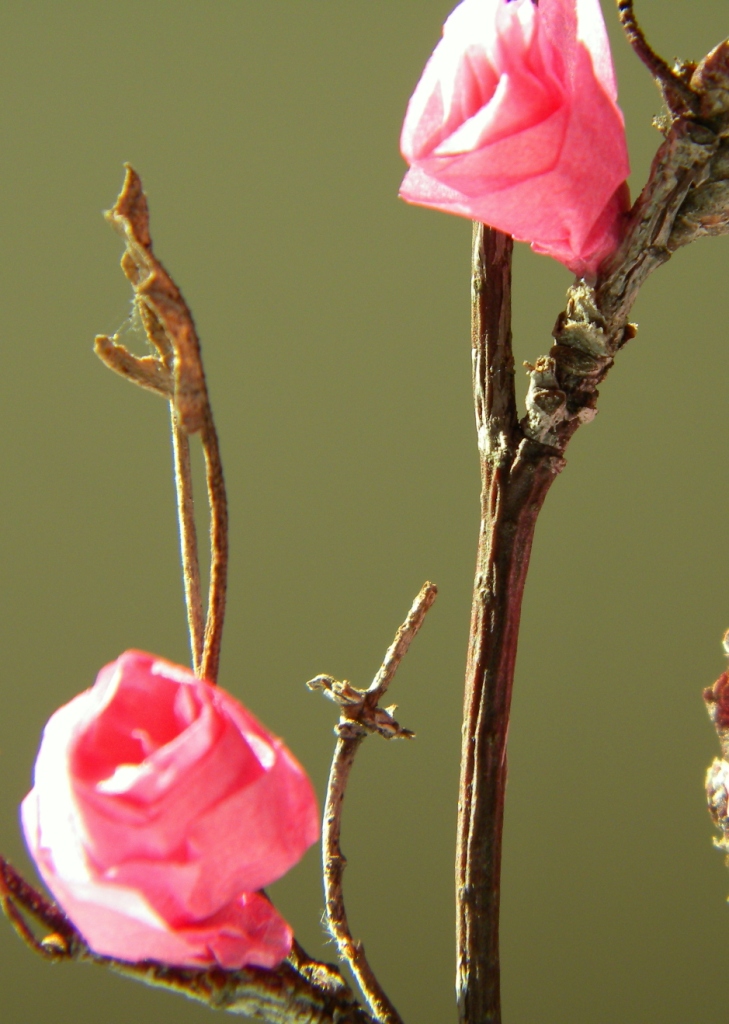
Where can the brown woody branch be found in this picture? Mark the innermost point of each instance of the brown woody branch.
(516, 472)
(360, 715)
(686, 196)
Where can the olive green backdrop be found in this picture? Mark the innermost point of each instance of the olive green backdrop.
(335, 328)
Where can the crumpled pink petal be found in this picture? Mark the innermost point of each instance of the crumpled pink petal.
(117, 921)
(160, 805)
(515, 123)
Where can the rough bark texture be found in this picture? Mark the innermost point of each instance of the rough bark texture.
(516, 473)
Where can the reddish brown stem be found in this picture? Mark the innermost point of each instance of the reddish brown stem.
(518, 463)
(516, 473)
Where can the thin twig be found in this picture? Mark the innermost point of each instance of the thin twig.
(333, 863)
(156, 374)
(62, 940)
(679, 96)
(48, 952)
(218, 549)
(171, 330)
(188, 540)
(360, 715)
(400, 645)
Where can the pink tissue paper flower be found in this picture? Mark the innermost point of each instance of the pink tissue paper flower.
(160, 806)
(515, 123)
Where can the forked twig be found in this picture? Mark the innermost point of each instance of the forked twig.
(360, 715)
(176, 372)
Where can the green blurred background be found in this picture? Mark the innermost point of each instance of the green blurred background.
(335, 329)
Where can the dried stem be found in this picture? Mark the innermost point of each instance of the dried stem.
(334, 862)
(177, 373)
(679, 96)
(401, 644)
(43, 948)
(188, 540)
(301, 989)
(218, 549)
(360, 715)
(62, 940)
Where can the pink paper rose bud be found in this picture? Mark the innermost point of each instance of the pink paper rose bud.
(515, 123)
(160, 806)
